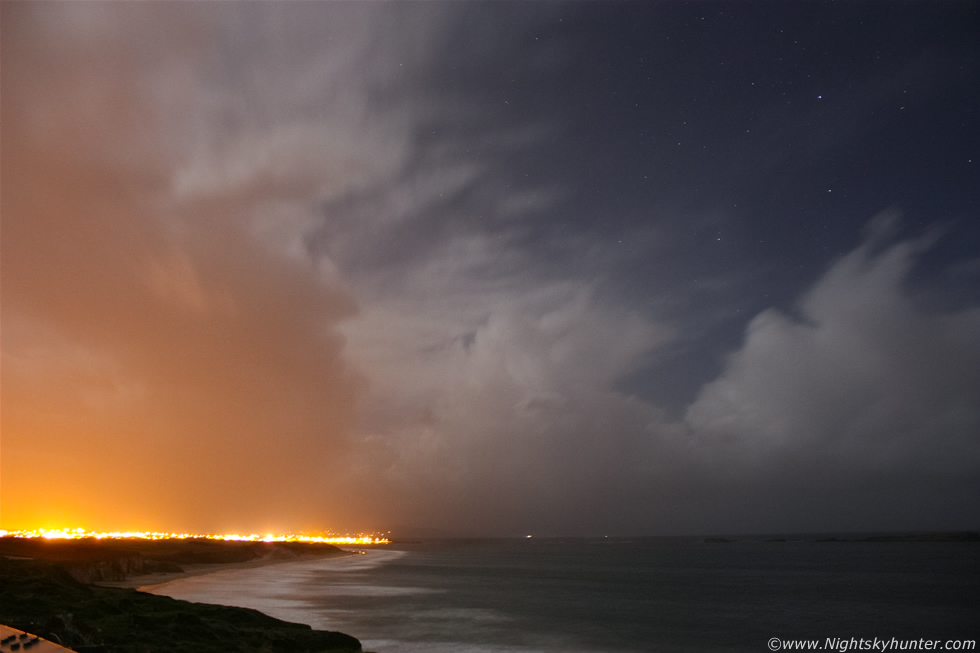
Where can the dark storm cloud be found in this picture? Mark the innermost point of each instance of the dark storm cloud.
(865, 389)
(562, 268)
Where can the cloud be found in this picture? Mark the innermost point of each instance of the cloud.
(866, 382)
(195, 199)
(264, 268)
(857, 411)
(163, 368)
(493, 405)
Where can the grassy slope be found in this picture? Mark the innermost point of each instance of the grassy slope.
(41, 597)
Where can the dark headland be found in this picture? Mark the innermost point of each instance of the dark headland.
(928, 536)
(50, 590)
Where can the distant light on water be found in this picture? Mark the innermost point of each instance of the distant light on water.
(81, 534)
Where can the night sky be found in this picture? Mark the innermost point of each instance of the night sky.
(491, 268)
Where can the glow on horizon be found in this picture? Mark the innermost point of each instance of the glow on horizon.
(81, 534)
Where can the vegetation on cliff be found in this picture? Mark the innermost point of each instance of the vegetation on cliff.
(41, 596)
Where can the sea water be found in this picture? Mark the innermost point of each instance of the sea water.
(605, 595)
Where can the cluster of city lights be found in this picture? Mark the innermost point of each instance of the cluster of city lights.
(81, 533)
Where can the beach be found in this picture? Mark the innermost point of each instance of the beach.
(83, 594)
(148, 582)
(716, 595)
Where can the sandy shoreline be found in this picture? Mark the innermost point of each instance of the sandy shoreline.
(42, 597)
(145, 582)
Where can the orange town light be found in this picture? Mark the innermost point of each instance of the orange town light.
(81, 533)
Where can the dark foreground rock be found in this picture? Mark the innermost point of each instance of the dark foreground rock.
(41, 597)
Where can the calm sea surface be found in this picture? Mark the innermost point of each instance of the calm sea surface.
(649, 594)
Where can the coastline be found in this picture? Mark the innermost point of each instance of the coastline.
(135, 563)
(88, 594)
(43, 598)
(149, 581)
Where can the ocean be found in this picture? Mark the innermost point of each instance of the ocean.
(614, 595)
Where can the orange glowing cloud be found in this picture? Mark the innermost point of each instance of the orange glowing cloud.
(162, 368)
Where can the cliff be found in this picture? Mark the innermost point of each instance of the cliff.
(44, 598)
(46, 589)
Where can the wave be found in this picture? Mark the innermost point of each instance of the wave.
(288, 590)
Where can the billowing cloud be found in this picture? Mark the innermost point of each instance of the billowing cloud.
(864, 376)
(510, 419)
(860, 406)
(851, 412)
(171, 349)
(307, 266)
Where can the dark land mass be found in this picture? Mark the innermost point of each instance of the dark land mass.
(959, 536)
(954, 536)
(47, 591)
(97, 561)
(950, 536)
